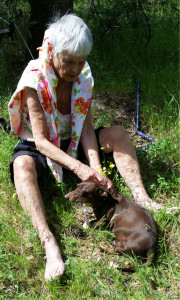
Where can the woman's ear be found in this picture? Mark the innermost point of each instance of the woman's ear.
(50, 51)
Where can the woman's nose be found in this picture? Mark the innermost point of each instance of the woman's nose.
(75, 68)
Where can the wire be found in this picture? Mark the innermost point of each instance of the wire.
(23, 40)
(4, 20)
(20, 35)
(138, 132)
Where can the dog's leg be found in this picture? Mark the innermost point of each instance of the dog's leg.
(103, 222)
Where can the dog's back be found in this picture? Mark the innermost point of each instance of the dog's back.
(134, 228)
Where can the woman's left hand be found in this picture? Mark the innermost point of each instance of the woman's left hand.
(86, 173)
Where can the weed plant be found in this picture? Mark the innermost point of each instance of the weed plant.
(91, 273)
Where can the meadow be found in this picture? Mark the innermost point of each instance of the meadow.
(90, 273)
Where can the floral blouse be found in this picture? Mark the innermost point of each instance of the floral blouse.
(40, 76)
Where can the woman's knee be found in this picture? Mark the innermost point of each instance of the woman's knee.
(114, 135)
(118, 132)
(24, 166)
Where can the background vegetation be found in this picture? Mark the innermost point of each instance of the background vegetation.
(133, 40)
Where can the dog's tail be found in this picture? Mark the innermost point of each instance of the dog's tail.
(131, 268)
(150, 259)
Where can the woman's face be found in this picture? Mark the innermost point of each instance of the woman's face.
(68, 67)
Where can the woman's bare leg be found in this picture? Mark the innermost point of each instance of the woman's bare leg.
(116, 140)
(25, 178)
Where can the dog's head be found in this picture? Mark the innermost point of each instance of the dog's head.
(86, 192)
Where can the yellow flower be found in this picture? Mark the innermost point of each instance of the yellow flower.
(112, 165)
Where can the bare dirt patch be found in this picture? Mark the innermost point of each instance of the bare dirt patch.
(117, 110)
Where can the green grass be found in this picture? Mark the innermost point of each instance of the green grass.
(91, 273)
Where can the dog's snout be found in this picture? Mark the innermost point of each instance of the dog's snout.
(71, 196)
(66, 196)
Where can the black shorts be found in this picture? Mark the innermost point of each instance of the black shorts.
(42, 168)
(81, 155)
(28, 148)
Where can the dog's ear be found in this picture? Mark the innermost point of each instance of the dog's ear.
(100, 192)
(114, 194)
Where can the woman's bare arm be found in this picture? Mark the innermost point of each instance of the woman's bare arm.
(39, 131)
(89, 143)
(90, 146)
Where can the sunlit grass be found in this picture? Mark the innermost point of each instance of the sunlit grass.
(91, 273)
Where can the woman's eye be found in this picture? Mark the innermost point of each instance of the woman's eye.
(69, 62)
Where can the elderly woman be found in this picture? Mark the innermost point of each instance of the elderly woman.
(50, 112)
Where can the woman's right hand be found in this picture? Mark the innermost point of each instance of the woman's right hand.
(86, 173)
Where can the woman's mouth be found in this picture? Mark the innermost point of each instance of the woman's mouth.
(72, 76)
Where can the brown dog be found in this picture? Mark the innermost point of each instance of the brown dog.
(134, 227)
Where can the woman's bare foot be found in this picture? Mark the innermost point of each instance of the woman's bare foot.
(154, 206)
(54, 263)
(151, 205)
(147, 203)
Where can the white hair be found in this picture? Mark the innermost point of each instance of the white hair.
(70, 33)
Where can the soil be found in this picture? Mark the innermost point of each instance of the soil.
(121, 111)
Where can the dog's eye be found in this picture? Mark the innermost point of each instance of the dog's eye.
(84, 193)
(97, 191)
(100, 192)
